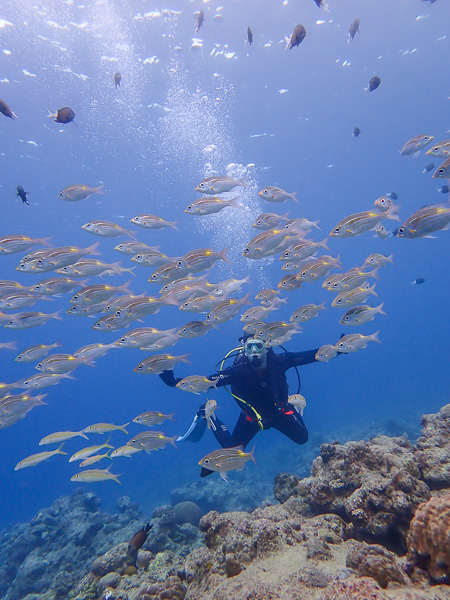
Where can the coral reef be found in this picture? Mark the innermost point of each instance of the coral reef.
(310, 546)
(376, 562)
(429, 537)
(374, 485)
(433, 449)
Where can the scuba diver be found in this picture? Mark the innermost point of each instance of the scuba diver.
(258, 384)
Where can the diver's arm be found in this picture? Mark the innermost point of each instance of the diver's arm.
(296, 359)
(169, 378)
(222, 378)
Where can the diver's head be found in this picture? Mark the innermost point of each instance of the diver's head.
(256, 352)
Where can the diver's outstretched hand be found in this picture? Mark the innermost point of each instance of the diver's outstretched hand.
(169, 378)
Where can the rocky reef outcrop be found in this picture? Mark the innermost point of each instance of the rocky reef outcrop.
(339, 534)
(374, 485)
(429, 537)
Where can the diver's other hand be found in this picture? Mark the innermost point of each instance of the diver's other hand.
(169, 378)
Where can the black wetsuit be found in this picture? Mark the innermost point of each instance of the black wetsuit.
(262, 397)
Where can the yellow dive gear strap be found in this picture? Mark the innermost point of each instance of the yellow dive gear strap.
(258, 417)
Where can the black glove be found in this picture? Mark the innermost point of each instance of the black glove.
(169, 378)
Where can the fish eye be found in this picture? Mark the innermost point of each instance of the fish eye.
(122, 340)
(335, 285)
(180, 263)
(189, 207)
(266, 191)
(401, 230)
(347, 318)
(118, 313)
(154, 276)
(139, 367)
(338, 300)
(247, 250)
(258, 222)
(184, 330)
(303, 274)
(440, 170)
(75, 297)
(336, 229)
(61, 195)
(39, 365)
(206, 461)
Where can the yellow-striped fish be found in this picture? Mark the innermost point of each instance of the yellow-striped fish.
(61, 436)
(35, 459)
(94, 475)
(226, 459)
(105, 428)
(89, 451)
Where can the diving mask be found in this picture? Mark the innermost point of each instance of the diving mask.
(255, 351)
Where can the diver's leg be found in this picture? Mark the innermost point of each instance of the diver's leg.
(292, 426)
(221, 432)
(243, 431)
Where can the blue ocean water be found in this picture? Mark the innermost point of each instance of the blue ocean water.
(182, 112)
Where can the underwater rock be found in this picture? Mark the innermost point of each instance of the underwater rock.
(376, 562)
(213, 494)
(285, 486)
(116, 559)
(433, 449)
(318, 549)
(110, 580)
(374, 485)
(172, 588)
(232, 565)
(187, 512)
(363, 588)
(429, 538)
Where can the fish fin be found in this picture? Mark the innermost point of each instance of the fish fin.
(251, 454)
(374, 337)
(98, 190)
(116, 478)
(59, 450)
(107, 455)
(416, 154)
(224, 476)
(374, 273)
(93, 249)
(57, 315)
(323, 243)
(173, 224)
(293, 196)
(82, 434)
(122, 427)
(244, 182)
(288, 42)
(51, 115)
(380, 310)
(44, 241)
(172, 440)
(234, 202)
(223, 255)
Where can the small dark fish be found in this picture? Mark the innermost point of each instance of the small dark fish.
(22, 195)
(373, 84)
(117, 79)
(356, 132)
(63, 115)
(5, 110)
(200, 19)
(249, 40)
(427, 168)
(418, 281)
(321, 4)
(444, 189)
(354, 29)
(392, 195)
(297, 37)
(139, 539)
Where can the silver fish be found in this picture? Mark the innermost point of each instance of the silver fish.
(153, 365)
(353, 297)
(358, 223)
(426, 220)
(151, 418)
(355, 341)
(10, 244)
(439, 150)
(152, 222)
(326, 353)
(307, 312)
(443, 172)
(106, 229)
(363, 313)
(226, 459)
(266, 221)
(151, 440)
(195, 329)
(272, 193)
(211, 205)
(415, 145)
(219, 185)
(73, 193)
